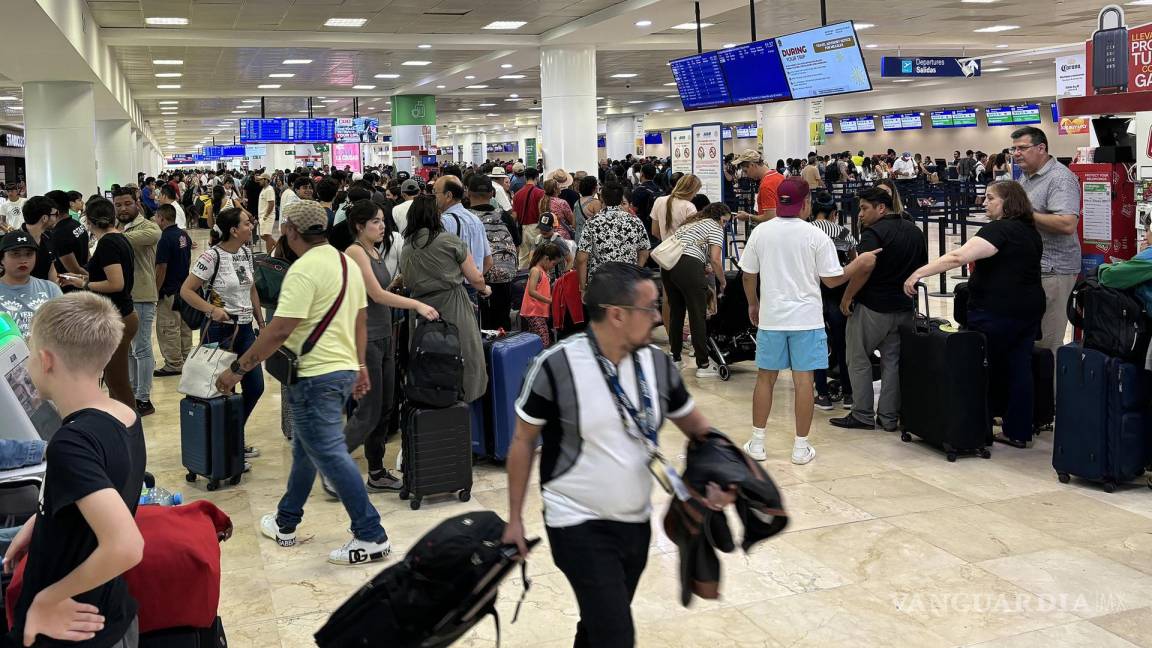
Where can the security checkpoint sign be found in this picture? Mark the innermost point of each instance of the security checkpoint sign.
(708, 159)
(681, 150)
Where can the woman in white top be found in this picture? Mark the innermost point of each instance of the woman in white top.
(686, 287)
(1001, 169)
(670, 212)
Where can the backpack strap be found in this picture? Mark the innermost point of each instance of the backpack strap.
(331, 314)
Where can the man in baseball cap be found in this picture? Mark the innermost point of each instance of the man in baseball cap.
(790, 258)
(752, 164)
(409, 189)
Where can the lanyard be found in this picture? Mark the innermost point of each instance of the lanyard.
(644, 418)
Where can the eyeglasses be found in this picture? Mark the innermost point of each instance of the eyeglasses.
(651, 310)
(1021, 148)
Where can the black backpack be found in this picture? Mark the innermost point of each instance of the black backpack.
(1113, 321)
(436, 366)
(444, 586)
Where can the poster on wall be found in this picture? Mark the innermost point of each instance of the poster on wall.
(1073, 125)
(681, 150)
(1070, 76)
(816, 135)
(347, 155)
(1097, 214)
(708, 159)
(638, 135)
(530, 151)
(477, 153)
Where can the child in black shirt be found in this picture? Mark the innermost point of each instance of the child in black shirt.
(84, 536)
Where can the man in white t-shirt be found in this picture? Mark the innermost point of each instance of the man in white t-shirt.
(409, 189)
(904, 168)
(12, 212)
(267, 201)
(167, 196)
(790, 258)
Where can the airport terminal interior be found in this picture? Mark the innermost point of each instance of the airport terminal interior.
(892, 540)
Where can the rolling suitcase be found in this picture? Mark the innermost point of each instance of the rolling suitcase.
(1110, 53)
(211, 438)
(508, 358)
(212, 637)
(944, 387)
(437, 452)
(1103, 420)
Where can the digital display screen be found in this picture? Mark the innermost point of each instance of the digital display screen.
(753, 73)
(1055, 114)
(828, 130)
(357, 129)
(902, 121)
(700, 81)
(960, 118)
(858, 124)
(287, 131)
(824, 61)
(1014, 115)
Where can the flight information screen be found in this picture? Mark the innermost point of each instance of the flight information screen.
(754, 74)
(700, 81)
(902, 121)
(287, 131)
(824, 61)
(960, 118)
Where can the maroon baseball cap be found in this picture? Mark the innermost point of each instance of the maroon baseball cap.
(790, 197)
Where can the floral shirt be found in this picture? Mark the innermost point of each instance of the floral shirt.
(612, 235)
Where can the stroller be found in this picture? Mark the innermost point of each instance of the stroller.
(731, 336)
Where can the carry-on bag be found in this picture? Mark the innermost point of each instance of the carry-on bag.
(212, 439)
(508, 358)
(437, 452)
(944, 387)
(1103, 417)
(436, 366)
(1113, 320)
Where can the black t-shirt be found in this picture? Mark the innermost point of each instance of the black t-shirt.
(570, 196)
(905, 250)
(174, 249)
(1008, 282)
(91, 451)
(44, 255)
(69, 237)
(642, 199)
(114, 248)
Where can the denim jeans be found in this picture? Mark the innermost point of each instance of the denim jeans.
(252, 384)
(318, 444)
(17, 454)
(141, 362)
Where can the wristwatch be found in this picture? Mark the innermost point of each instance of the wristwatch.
(235, 368)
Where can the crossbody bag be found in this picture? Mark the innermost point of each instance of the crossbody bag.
(283, 364)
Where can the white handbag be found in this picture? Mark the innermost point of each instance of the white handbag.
(668, 253)
(202, 367)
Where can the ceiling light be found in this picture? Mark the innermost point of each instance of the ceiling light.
(167, 113)
(512, 76)
(871, 46)
(506, 66)
(416, 63)
(1140, 3)
(171, 147)
(624, 75)
(329, 100)
(476, 87)
(424, 46)
(996, 69)
(486, 105)
(537, 108)
(671, 96)
(162, 103)
(1001, 47)
(514, 95)
(345, 22)
(251, 101)
(491, 115)
(387, 76)
(904, 80)
(983, 1)
(860, 26)
(168, 86)
(168, 75)
(167, 62)
(505, 24)
(636, 101)
(238, 112)
(463, 109)
(727, 45)
(670, 84)
(154, 20)
(643, 23)
(691, 25)
(281, 75)
(997, 62)
(470, 77)
(269, 86)
(297, 61)
(363, 87)
(995, 28)
(441, 87)
(514, 99)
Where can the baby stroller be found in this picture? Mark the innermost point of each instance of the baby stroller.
(731, 336)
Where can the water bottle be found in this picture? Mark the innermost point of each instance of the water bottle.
(160, 497)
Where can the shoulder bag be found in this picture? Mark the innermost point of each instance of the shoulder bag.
(195, 318)
(668, 253)
(204, 365)
(283, 364)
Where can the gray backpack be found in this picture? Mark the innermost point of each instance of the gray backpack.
(505, 259)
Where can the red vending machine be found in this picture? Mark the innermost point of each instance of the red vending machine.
(1107, 214)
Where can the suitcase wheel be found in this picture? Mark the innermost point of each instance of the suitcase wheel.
(906, 437)
(985, 453)
(213, 484)
(404, 494)
(724, 371)
(415, 503)
(1109, 487)
(235, 480)
(952, 457)
(1063, 477)
(465, 495)
(190, 478)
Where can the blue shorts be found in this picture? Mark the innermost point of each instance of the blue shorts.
(795, 350)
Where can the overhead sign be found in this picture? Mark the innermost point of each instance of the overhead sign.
(13, 141)
(182, 158)
(708, 160)
(681, 150)
(1071, 74)
(936, 66)
(1118, 58)
(347, 155)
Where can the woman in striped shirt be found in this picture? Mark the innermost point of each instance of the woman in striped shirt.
(685, 284)
(824, 216)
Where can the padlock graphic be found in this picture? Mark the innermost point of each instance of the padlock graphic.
(1110, 52)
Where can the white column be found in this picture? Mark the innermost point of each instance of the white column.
(785, 127)
(146, 156)
(115, 147)
(568, 96)
(59, 126)
(620, 136)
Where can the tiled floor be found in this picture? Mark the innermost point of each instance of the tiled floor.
(889, 545)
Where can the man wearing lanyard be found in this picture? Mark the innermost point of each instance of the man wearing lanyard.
(599, 399)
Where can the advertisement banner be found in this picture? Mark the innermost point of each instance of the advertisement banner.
(414, 110)
(530, 151)
(1107, 226)
(477, 153)
(347, 155)
(1070, 76)
(638, 135)
(1118, 58)
(935, 66)
(708, 159)
(681, 150)
(816, 135)
(1073, 125)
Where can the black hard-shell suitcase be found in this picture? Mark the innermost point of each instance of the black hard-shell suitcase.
(212, 637)
(944, 387)
(1103, 417)
(212, 439)
(1110, 53)
(437, 452)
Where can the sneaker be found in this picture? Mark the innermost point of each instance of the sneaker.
(357, 552)
(328, 488)
(824, 402)
(801, 456)
(251, 452)
(846, 402)
(164, 372)
(707, 372)
(144, 408)
(755, 448)
(383, 481)
(852, 423)
(271, 529)
(247, 466)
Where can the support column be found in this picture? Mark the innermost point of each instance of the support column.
(413, 129)
(620, 136)
(785, 129)
(59, 126)
(568, 96)
(115, 147)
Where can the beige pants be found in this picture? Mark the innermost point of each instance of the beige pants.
(528, 244)
(173, 334)
(1054, 326)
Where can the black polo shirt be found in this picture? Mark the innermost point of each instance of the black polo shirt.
(905, 251)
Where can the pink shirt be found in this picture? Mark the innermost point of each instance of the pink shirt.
(530, 307)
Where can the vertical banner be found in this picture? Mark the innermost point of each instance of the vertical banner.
(477, 153)
(530, 151)
(681, 150)
(708, 159)
(638, 135)
(413, 128)
(761, 116)
(816, 134)
(1070, 76)
(347, 155)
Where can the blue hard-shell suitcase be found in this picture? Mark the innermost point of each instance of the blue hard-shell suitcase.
(508, 358)
(212, 439)
(1103, 417)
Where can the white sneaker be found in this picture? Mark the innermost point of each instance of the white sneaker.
(801, 456)
(356, 552)
(754, 447)
(271, 529)
(679, 365)
(707, 372)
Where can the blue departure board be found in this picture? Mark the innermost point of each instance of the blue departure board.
(700, 81)
(287, 131)
(753, 73)
(857, 124)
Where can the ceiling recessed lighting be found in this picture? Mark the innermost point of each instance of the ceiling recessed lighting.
(238, 112)
(691, 25)
(297, 61)
(168, 86)
(162, 103)
(463, 109)
(514, 99)
(167, 113)
(636, 101)
(345, 22)
(506, 66)
(512, 76)
(1001, 47)
(329, 100)
(996, 28)
(281, 75)
(167, 62)
(387, 76)
(363, 87)
(168, 75)
(903, 80)
(727, 45)
(505, 24)
(996, 69)
(983, 1)
(486, 105)
(158, 20)
(441, 87)
(643, 23)
(624, 75)
(671, 96)
(998, 62)
(250, 101)
(1140, 3)
(424, 46)
(514, 95)
(470, 77)
(416, 63)
(670, 84)
(479, 86)
(269, 86)
(871, 46)
(491, 115)
(303, 112)
(860, 26)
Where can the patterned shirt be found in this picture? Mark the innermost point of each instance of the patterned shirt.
(613, 235)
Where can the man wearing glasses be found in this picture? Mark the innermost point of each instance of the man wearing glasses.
(1055, 195)
(599, 399)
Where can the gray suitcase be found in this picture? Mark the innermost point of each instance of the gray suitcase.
(1110, 53)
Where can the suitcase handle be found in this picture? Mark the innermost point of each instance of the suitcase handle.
(921, 285)
(1115, 11)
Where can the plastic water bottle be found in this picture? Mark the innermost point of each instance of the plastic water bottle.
(160, 497)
